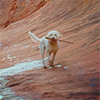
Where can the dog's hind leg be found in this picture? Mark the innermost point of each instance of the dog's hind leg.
(42, 51)
(43, 61)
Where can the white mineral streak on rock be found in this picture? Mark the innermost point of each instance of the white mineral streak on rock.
(20, 67)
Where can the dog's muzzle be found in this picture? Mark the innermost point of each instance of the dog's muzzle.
(53, 39)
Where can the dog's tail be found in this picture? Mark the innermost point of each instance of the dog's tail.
(33, 37)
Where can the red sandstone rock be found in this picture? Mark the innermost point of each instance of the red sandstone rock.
(15, 10)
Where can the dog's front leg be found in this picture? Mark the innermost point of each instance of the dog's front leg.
(53, 58)
(50, 62)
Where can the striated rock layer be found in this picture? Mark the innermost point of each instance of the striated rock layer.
(15, 10)
(78, 77)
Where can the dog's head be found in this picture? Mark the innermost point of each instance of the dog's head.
(53, 35)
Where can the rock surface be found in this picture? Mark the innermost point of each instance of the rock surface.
(15, 10)
(78, 76)
(5, 92)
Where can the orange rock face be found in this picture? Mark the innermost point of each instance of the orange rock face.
(15, 10)
(78, 21)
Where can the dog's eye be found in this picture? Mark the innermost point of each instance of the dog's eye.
(55, 35)
(51, 34)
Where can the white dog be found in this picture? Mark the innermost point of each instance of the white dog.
(49, 43)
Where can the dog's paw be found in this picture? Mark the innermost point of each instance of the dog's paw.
(45, 67)
(51, 65)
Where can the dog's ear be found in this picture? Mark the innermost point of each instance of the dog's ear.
(59, 35)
